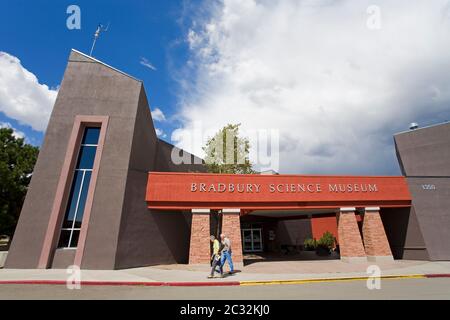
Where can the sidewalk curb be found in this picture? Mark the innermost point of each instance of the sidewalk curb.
(220, 283)
(123, 283)
(338, 279)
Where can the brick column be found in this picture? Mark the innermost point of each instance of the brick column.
(350, 242)
(375, 240)
(200, 246)
(231, 227)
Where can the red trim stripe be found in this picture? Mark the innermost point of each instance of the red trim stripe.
(442, 275)
(123, 283)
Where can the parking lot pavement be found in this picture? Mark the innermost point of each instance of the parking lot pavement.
(438, 288)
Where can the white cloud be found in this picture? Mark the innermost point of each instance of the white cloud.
(147, 64)
(160, 133)
(22, 97)
(16, 133)
(336, 90)
(158, 115)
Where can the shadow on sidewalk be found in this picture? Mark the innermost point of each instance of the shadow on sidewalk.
(297, 256)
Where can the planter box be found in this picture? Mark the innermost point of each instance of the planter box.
(323, 252)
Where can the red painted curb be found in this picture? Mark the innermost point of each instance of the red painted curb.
(442, 275)
(52, 282)
(83, 283)
(123, 283)
(152, 284)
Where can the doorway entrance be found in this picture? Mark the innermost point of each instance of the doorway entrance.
(252, 240)
(280, 235)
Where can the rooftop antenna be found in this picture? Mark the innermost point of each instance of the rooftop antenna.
(101, 28)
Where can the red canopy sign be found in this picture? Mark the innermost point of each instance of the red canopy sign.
(217, 191)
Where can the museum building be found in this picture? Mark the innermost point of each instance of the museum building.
(105, 193)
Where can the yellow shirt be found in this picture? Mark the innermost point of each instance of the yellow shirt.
(216, 247)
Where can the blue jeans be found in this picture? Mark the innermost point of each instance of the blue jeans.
(226, 255)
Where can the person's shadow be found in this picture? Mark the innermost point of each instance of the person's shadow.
(228, 274)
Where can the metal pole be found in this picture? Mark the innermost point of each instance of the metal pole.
(93, 45)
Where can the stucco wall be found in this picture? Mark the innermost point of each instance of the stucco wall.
(122, 232)
(424, 157)
(403, 233)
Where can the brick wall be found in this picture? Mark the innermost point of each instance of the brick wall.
(231, 226)
(375, 239)
(200, 246)
(350, 242)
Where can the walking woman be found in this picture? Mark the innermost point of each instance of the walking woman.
(216, 258)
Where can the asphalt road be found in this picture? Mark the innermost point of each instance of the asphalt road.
(390, 289)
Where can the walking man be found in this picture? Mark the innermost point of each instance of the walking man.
(226, 252)
(216, 258)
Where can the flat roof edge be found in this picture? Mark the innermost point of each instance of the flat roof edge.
(276, 176)
(420, 128)
(106, 65)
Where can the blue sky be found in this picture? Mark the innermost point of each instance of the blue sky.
(329, 81)
(36, 33)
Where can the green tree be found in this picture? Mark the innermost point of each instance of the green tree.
(227, 152)
(17, 160)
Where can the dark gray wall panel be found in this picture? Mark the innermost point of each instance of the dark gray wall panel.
(293, 232)
(403, 233)
(433, 213)
(424, 156)
(426, 151)
(63, 258)
(164, 161)
(149, 237)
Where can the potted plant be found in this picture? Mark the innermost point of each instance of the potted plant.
(325, 244)
(310, 244)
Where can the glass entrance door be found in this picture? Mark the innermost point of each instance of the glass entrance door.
(252, 240)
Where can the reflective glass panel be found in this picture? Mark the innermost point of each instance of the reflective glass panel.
(73, 198)
(75, 236)
(86, 158)
(79, 191)
(91, 136)
(83, 196)
(64, 239)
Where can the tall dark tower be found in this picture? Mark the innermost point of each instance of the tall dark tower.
(86, 202)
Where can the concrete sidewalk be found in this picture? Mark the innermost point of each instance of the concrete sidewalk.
(259, 272)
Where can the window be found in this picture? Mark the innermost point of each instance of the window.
(80, 187)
